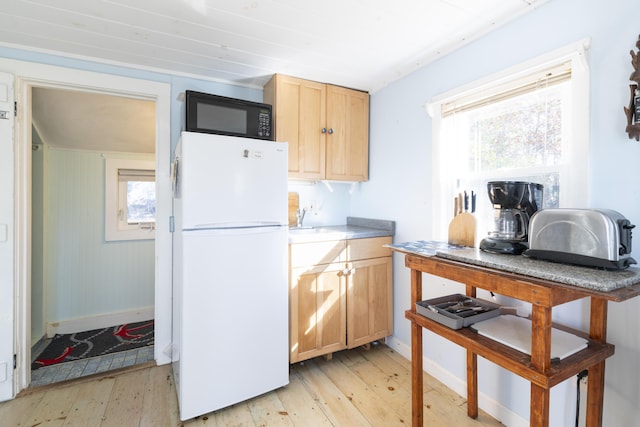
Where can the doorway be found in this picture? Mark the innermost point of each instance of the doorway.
(82, 279)
(26, 76)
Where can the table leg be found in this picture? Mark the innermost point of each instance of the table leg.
(595, 382)
(540, 360)
(539, 416)
(472, 384)
(417, 415)
(472, 373)
(416, 376)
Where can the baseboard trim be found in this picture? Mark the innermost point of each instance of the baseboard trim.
(100, 321)
(486, 403)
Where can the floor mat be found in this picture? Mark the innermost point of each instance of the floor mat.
(97, 342)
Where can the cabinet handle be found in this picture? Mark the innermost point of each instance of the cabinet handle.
(324, 130)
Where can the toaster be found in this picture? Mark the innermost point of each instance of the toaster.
(589, 237)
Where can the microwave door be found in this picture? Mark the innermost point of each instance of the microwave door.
(206, 113)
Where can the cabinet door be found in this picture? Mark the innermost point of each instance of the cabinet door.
(300, 115)
(348, 136)
(317, 311)
(370, 301)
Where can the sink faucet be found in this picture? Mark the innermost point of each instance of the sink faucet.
(300, 216)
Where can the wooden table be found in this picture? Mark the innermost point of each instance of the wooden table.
(537, 368)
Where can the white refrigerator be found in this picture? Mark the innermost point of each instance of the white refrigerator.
(230, 283)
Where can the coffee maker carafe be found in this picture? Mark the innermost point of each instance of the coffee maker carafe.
(514, 202)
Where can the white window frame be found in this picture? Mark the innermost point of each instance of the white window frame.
(574, 176)
(115, 229)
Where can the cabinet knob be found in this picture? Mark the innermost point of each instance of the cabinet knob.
(330, 131)
(324, 130)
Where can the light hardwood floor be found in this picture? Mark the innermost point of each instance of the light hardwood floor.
(357, 387)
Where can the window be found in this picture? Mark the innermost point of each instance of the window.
(526, 124)
(130, 199)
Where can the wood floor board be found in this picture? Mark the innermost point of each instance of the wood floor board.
(338, 407)
(237, 415)
(357, 388)
(126, 399)
(448, 405)
(15, 412)
(92, 401)
(54, 408)
(160, 400)
(268, 410)
(353, 357)
(386, 385)
(389, 366)
(372, 405)
(301, 406)
(430, 383)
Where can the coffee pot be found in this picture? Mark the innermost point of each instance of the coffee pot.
(514, 202)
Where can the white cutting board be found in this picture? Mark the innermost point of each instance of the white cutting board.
(515, 332)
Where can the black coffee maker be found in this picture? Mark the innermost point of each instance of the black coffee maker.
(514, 202)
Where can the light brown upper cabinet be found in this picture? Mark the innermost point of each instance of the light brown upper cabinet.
(326, 126)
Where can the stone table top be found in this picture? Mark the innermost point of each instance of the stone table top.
(586, 277)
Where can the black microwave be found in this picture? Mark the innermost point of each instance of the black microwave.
(221, 115)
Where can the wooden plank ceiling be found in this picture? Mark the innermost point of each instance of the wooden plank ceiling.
(360, 44)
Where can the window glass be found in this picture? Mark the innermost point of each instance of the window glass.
(528, 123)
(517, 138)
(141, 202)
(130, 199)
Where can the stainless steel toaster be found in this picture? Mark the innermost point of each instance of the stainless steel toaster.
(591, 237)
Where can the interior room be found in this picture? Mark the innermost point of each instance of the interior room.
(77, 277)
(390, 204)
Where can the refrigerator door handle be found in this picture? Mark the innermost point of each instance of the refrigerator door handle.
(229, 225)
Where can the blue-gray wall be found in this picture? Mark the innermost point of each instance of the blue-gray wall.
(400, 186)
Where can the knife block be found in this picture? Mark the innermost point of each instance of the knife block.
(462, 230)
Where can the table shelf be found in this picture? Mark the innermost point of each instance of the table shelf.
(516, 361)
(538, 368)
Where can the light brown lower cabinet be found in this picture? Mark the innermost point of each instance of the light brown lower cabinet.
(340, 296)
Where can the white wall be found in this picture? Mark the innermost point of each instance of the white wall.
(330, 202)
(84, 275)
(37, 243)
(400, 186)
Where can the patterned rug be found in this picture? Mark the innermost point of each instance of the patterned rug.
(98, 342)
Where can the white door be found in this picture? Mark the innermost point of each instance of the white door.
(227, 181)
(234, 341)
(6, 236)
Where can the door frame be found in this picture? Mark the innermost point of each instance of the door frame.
(28, 75)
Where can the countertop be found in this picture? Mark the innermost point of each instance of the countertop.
(355, 228)
(585, 277)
